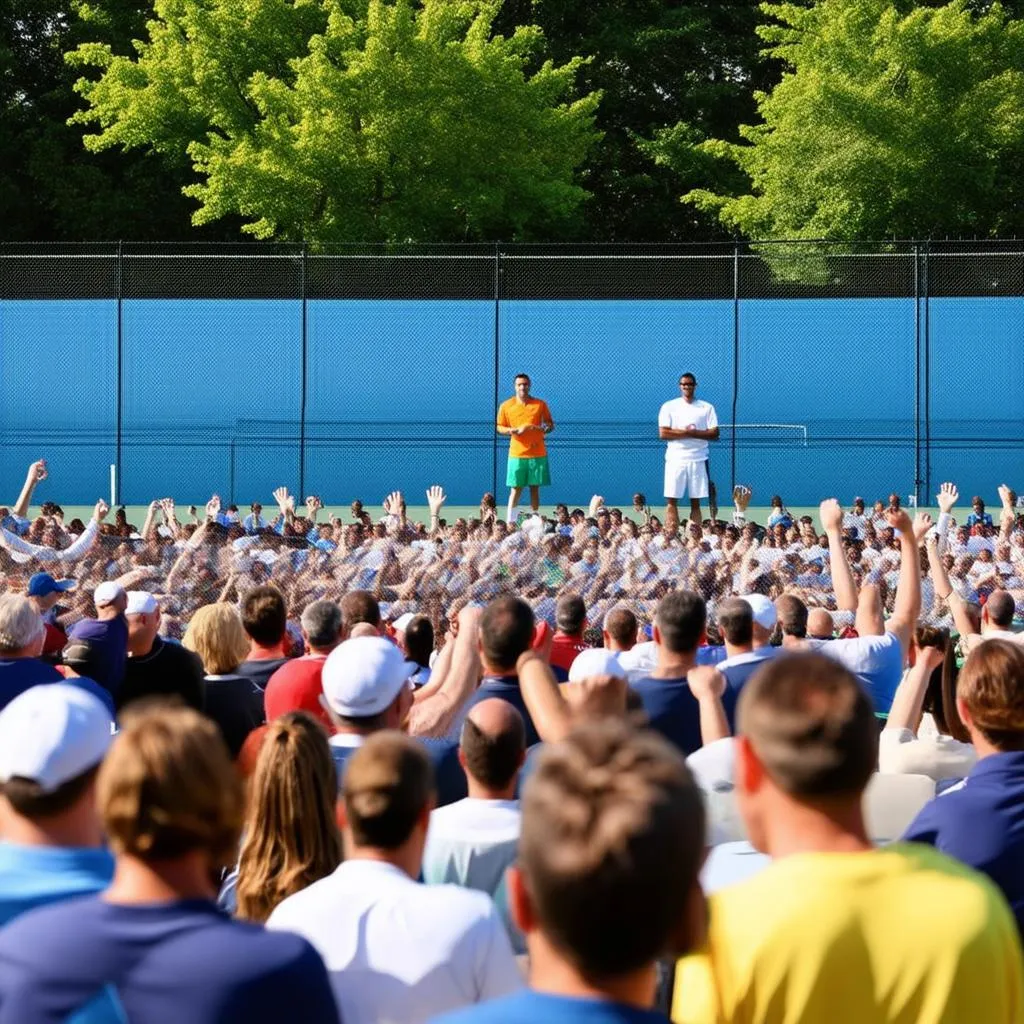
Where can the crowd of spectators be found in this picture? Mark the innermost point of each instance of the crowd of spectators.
(272, 769)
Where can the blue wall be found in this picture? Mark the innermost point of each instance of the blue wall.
(401, 393)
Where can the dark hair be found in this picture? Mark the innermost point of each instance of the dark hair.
(1001, 608)
(940, 697)
(683, 377)
(811, 725)
(570, 613)
(792, 615)
(611, 845)
(681, 618)
(493, 760)
(736, 621)
(359, 606)
(522, 376)
(506, 629)
(30, 801)
(264, 615)
(419, 640)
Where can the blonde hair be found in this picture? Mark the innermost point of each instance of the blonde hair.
(168, 787)
(217, 635)
(291, 836)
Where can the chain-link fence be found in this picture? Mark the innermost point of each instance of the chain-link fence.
(351, 371)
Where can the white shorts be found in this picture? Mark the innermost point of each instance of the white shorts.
(682, 478)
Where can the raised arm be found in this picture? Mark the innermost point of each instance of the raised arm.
(945, 592)
(36, 474)
(831, 513)
(908, 700)
(707, 684)
(907, 606)
(548, 708)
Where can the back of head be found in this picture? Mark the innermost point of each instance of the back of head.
(321, 623)
(736, 621)
(216, 634)
(570, 614)
(264, 615)
(168, 788)
(360, 606)
(681, 619)
(419, 640)
(506, 629)
(388, 785)
(21, 625)
(493, 743)
(991, 688)
(811, 726)
(291, 837)
(1000, 608)
(820, 625)
(621, 625)
(612, 841)
(792, 614)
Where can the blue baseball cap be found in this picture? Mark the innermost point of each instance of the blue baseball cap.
(42, 583)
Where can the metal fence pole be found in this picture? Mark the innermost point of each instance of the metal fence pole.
(927, 379)
(917, 372)
(302, 389)
(735, 360)
(119, 385)
(497, 359)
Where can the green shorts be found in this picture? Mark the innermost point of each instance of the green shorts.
(528, 472)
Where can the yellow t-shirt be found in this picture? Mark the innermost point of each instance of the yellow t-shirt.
(902, 935)
(533, 412)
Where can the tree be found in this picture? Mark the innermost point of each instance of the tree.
(894, 120)
(335, 120)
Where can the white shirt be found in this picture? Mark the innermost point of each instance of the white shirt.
(397, 951)
(939, 757)
(679, 414)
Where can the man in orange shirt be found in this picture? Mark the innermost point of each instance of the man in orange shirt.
(526, 421)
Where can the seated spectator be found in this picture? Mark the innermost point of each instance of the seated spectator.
(44, 592)
(472, 841)
(171, 804)
(265, 619)
(570, 623)
(923, 734)
(156, 668)
(107, 634)
(397, 950)
(982, 823)
(296, 685)
(291, 837)
(833, 929)
(606, 881)
(232, 700)
(672, 708)
(52, 740)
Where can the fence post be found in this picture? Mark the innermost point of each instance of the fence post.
(735, 360)
(917, 372)
(302, 371)
(119, 385)
(497, 359)
(927, 378)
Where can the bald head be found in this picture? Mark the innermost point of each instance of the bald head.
(819, 624)
(492, 746)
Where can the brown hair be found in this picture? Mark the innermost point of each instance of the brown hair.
(940, 697)
(388, 783)
(29, 800)
(611, 844)
(494, 759)
(216, 634)
(168, 787)
(506, 629)
(811, 725)
(792, 615)
(991, 685)
(736, 621)
(621, 626)
(681, 618)
(264, 615)
(359, 606)
(291, 834)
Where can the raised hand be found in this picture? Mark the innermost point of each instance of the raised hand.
(741, 496)
(436, 499)
(706, 682)
(596, 502)
(947, 497)
(100, 511)
(831, 513)
(213, 507)
(38, 471)
(899, 520)
(922, 524)
(1005, 496)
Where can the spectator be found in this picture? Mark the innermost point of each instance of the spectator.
(107, 634)
(360, 606)
(44, 592)
(233, 701)
(807, 938)
(156, 668)
(265, 619)
(763, 620)
(472, 841)
(570, 622)
(52, 740)
(397, 950)
(671, 707)
(982, 823)
(291, 835)
(820, 625)
(607, 878)
(414, 635)
(254, 521)
(742, 657)
(171, 804)
(296, 685)
(978, 516)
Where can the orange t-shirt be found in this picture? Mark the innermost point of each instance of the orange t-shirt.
(532, 412)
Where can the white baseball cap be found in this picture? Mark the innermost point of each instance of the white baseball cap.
(362, 677)
(401, 624)
(51, 734)
(141, 602)
(595, 661)
(107, 593)
(763, 609)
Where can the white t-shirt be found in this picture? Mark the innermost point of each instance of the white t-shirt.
(397, 950)
(939, 757)
(679, 414)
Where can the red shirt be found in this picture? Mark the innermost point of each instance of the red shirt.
(564, 649)
(296, 686)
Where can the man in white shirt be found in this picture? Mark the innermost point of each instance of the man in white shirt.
(687, 424)
(473, 841)
(397, 950)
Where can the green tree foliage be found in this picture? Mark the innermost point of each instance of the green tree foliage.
(892, 120)
(340, 120)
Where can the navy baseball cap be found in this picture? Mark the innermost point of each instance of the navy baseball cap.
(42, 583)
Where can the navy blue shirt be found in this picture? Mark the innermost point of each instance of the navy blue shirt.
(673, 711)
(108, 642)
(537, 1007)
(507, 689)
(449, 777)
(982, 824)
(20, 674)
(164, 964)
